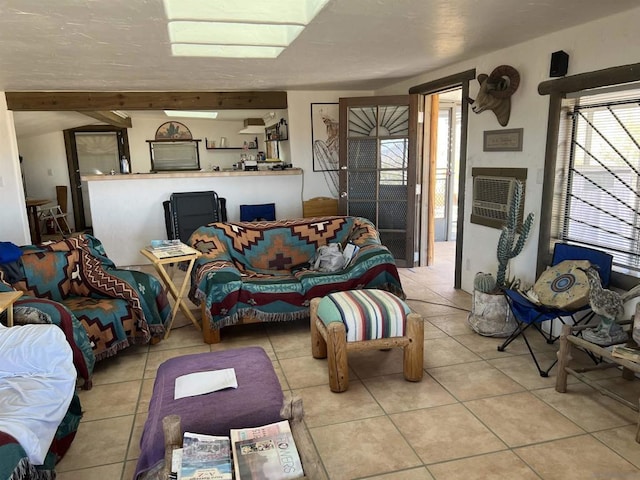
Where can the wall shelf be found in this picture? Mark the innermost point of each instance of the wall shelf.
(230, 148)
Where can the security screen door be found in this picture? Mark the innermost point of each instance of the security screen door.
(378, 168)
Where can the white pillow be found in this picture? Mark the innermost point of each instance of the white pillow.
(37, 382)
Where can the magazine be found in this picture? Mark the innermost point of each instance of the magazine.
(176, 464)
(169, 248)
(205, 457)
(627, 353)
(265, 453)
(350, 251)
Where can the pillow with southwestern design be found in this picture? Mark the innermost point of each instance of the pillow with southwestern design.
(367, 314)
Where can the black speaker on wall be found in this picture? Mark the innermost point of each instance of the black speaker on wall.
(559, 64)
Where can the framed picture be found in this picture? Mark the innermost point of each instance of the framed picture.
(324, 136)
(173, 131)
(503, 140)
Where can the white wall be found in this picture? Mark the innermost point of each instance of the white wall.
(14, 226)
(315, 183)
(608, 42)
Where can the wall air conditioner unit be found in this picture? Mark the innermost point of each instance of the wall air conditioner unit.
(253, 126)
(491, 199)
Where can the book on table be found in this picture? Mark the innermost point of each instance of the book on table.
(169, 248)
(268, 452)
(205, 457)
(628, 353)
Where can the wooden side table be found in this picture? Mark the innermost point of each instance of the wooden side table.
(568, 339)
(7, 299)
(189, 255)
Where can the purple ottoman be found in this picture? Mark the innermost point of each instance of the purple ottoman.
(257, 400)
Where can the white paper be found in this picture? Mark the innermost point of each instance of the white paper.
(200, 383)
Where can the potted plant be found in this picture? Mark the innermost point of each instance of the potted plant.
(490, 314)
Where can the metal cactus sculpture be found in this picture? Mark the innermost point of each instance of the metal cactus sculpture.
(511, 240)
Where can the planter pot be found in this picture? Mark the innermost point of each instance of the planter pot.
(490, 315)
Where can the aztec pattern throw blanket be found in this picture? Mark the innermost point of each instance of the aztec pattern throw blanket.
(116, 307)
(246, 267)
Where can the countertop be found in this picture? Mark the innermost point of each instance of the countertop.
(198, 174)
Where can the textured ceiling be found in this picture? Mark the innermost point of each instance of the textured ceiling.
(123, 45)
(352, 44)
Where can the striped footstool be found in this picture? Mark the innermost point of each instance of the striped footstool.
(364, 320)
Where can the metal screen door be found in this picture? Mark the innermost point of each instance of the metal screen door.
(377, 178)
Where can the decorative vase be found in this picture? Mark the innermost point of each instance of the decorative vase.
(491, 316)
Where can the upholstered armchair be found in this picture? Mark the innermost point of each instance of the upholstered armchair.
(116, 307)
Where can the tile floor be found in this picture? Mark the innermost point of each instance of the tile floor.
(477, 414)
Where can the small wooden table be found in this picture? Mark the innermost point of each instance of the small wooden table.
(7, 299)
(159, 261)
(32, 213)
(569, 338)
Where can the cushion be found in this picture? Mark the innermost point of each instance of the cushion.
(367, 314)
(564, 285)
(257, 400)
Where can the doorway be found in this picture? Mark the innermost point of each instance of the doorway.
(377, 174)
(92, 150)
(447, 166)
(451, 220)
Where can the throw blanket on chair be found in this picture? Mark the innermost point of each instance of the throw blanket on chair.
(116, 307)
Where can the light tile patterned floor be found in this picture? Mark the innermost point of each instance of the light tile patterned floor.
(477, 414)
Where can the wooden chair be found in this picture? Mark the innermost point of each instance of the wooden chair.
(320, 207)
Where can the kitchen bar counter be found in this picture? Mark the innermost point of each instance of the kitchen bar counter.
(127, 211)
(198, 174)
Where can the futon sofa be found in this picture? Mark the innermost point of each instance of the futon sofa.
(116, 307)
(247, 272)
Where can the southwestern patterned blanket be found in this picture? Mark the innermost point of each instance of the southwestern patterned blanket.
(116, 307)
(246, 267)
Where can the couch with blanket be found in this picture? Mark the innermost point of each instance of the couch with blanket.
(116, 307)
(40, 410)
(245, 273)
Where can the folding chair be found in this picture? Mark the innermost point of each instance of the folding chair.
(529, 314)
(258, 213)
(57, 217)
(186, 211)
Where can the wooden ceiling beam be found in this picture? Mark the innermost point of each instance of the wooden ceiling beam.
(109, 118)
(105, 101)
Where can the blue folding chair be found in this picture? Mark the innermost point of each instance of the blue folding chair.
(258, 213)
(528, 314)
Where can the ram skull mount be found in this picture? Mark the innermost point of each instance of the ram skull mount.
(495, 92)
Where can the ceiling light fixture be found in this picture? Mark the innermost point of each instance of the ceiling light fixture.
(237, 28)
(191, 113)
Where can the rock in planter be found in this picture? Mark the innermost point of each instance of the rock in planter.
(491, 316)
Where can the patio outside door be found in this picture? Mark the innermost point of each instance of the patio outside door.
(378, 168)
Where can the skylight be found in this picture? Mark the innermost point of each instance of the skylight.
(237, 28)
(190, 113)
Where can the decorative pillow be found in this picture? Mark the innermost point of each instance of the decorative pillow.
(564, 286)
(29, 315)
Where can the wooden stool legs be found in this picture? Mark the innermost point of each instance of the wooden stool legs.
(318, 343)
(414, 349)
(331, 342)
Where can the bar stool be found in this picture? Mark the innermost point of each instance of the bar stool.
(364, 320)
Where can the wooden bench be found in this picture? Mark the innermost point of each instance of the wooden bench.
(568, 339)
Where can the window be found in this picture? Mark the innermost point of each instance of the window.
(600, 176)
